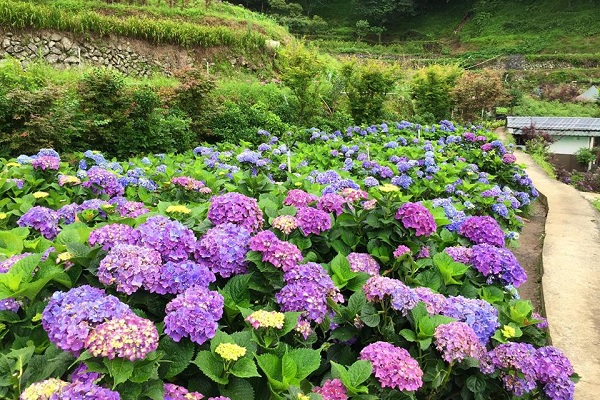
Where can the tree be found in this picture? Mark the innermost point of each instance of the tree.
(430, 89)
(477, 92)
(378, 12)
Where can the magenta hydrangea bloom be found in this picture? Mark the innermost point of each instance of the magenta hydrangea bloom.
(482, 229)
(515, 363)
(7, 264)
(173, 240)
(282, 254)
(509, 158)
(551, 364)
(299, 198)
(70, 316)
(223, 249)
(331, 389)
(130, 209)
(237, 209)
(401, 250)
(418, 217)
(176, 392)
(129, 337)
(110, 235)
(498, 264)
(380, 288)
(46, 163)
(331, 203)
(176, 277)
(310, 220)
(81, 374)
(130, 267)
(195, 314)
(188, 183)
(460, 254)
(456, 341)
(393, 366)
(434, 302)
(478, 314)
(85, 391)
(10, 305)
(42, 219)
(102, 181)
(363, 262)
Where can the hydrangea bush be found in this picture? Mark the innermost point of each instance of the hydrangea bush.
(369, 263)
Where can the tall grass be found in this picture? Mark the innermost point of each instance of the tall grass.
(543, 108)
(22, 15)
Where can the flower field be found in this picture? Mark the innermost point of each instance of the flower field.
(372, 263)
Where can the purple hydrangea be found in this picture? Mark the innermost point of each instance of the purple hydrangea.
(393, 366)
(42, 219)
(131, 209)
(10, 304)
(70, 316)
(460, 254)
(46, 163)
(85, 391)
(130, 267)
(173, 240)
(371, 181)
(177, 277)
(68, 213)
(299, 198)
(176, 392)
(188, 183)
(482, 229)
(478, 314)
(237, 209)
(417, 216)
(195, 314)
(130, 337)
(434, 302)
(331, 389)
(363, 262)
(7, 264)
(110, 235)
(498, 264)
(401, 250)
(331, 203)
(223, 249)
(81, 374)
(457, 340)
(282, 254)
(102, 181)
(509, 158)
(310, 220)
(379, 288)
(515, 363)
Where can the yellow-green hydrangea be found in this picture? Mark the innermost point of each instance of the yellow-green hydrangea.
(178, 209)
(230, 351)
(266, 319)
(43, 390)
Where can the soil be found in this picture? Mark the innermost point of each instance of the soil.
(529, 254)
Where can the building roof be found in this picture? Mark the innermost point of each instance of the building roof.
(560, 126)
(589, 95)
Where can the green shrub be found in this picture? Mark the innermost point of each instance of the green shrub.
(585, 155)
(430, 89)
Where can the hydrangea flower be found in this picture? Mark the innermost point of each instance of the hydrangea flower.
(176, 392)
(173, 240)
(479, 314)
(129, 337)
(130, 267)
(482, 229)
(42, 219)
(379, 288)
(434, 302)
(85, 390)
(393, 366)
(102, 181)
(282, 254)
(299, 198)
(310, 220)
(110, 235)
(498, 264)
(266, 319)
(188, 183)
(401, 250)
(230, 351)
(363, 262)
(457, 340)
(81, 374)
(46, 163)
(223, 249)
(176, 277)
(516, 365)
(285, 223)
(331, 389)
(237, 209)
(417, 216)
(43, 390)
(70, 316)
(460, 254)
(195, 314)
(331, 203)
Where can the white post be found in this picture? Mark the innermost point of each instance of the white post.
(289, 160)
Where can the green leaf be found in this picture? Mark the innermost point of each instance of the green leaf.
(10, 243)
(476, 383)
(356, 302)
(369, 316)
(244, 368)
(179, 354)
(238, 389)
(211, 367)
(408, 335)
(359, 372)
(307, 361)
(450, 270)
(235, 292)
(491, 294)
(341, 269)
(154, 389)
(430, 278)
(119, 369)
(271, 366)
(340, 372)
(289, 369)
(145, 372)
(290, 322)
(79, 250)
